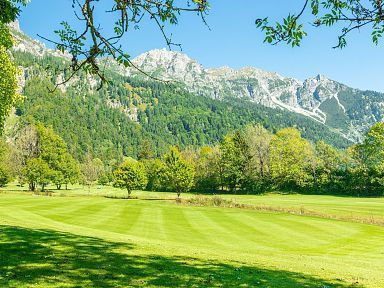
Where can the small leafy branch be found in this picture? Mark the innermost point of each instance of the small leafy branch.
(349, 14)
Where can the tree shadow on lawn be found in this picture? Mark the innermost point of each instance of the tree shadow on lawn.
(46, 258)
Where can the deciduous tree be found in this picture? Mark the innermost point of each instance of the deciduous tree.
(178, 174)
(91, 170)
(37, 172)
(130, 175)
(289, 160)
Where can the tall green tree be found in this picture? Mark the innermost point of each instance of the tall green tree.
(68, 171)
(8, 74)
(329, 166)
(369, 161)
(37, 172)
(235, 161)
(178, 174)
(154, 170)
(208, 176)
(91, 170)
(5, 161)
(258, 141)
(130, 175)
(32, 142)
(10, 10)
(290, 159)
(26, 146)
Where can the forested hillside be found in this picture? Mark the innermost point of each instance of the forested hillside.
(115, 121)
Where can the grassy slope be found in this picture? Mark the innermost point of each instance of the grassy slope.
(99, 242)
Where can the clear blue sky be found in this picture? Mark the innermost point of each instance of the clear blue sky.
(234, 41)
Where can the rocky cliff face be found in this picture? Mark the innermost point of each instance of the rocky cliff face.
(319, 98)
(26, 44)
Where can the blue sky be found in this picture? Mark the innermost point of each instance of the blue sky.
(234, 41)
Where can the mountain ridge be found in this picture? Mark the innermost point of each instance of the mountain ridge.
(348, 111)
(270, 89)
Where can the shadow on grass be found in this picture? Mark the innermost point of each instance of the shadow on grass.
(45, 258)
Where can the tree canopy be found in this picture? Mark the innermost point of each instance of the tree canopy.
(130, 175)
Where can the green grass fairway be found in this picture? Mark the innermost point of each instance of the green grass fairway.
(83, 241)
(327, 205)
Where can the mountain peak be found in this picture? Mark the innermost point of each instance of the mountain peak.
(168, 64)
(162, 56)
(321, 77)
(15, 25)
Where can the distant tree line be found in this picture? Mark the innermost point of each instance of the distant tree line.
(251, 160)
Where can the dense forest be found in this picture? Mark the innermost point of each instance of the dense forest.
(137, 134)
(252, 160)
(127, 112)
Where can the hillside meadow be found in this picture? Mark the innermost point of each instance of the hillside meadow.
(96, 238)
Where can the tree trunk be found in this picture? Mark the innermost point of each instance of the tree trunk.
(32, 187)
(261, 168)
(129, 192)
(66, 186)
(42, 187)
(58, 186)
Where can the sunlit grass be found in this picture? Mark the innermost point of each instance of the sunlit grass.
(82, 239)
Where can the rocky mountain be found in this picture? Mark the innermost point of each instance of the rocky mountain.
(344, 110)
(347, 110)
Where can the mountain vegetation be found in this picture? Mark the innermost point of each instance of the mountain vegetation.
(185, 140)
(117, 120)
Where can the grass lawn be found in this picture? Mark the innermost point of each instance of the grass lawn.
(93, 241)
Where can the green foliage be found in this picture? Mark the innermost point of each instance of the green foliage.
(258, 141)
(130, 117)
(8, 82)
(37, 172)
(290, 156)
(233, 161)
(130, 175)
(39, 142)
(208, 169)
(178, 174)
(6, 39)
(91, 169)
(4, 176)
(367, 169)
(145, 151)
(10, 10)
(68, 171)
(5, 173)
(330, 166)
(349, 14)
(8, 72)
(154, 169)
